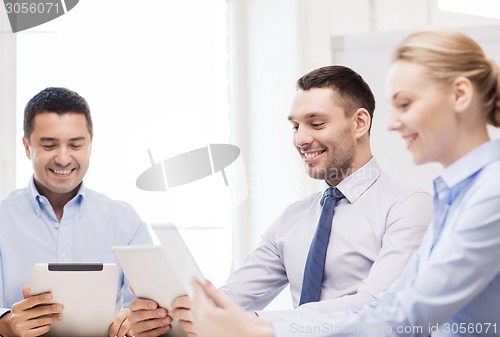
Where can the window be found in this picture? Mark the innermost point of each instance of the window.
(155, 76)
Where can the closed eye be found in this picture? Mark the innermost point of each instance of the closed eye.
(317, 125)
(404, 106)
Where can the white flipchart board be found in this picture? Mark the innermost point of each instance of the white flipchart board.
(369, 55)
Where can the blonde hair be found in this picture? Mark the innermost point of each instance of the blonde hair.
(449, 54)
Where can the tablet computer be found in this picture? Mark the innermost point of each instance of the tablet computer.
(175, 247)
(159, 272)
(87, 291)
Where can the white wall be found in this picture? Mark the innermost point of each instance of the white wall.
(325, 18)
(264, 67)
(7, 105)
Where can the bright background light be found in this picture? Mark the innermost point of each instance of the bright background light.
(155, 76)
(486, 8)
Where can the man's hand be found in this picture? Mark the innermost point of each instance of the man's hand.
(181, 312)
(121, 326)
(32, 316)
(148, 319)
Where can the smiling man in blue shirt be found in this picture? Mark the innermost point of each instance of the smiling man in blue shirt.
(56, 218)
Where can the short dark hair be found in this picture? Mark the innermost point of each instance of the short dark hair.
(349, 87)
(55, 100)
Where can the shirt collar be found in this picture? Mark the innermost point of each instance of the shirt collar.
(471, 163)
(353, 186)
(37, 199)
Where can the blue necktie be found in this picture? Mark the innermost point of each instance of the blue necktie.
(315, 263)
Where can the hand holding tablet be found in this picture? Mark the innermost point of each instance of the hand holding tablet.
(86, 290)
(159, 272)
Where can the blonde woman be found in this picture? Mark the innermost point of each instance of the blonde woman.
(443, 92)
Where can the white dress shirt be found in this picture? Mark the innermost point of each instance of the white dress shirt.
(375, 229)
(451, 287)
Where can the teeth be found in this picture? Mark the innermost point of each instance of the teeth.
(311, 155)
(63, 172)
(410, 139)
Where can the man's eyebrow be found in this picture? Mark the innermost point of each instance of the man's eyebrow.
(48, 139)
(53, 139)
(77, 139)
(315, 114)
(309, 115)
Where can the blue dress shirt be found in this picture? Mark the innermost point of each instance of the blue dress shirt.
(451, 286)
(30, 233)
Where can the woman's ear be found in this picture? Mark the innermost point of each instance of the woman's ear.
(362, 122)
(463, 91)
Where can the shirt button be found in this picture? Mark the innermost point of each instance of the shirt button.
(57, 224)
(64, 256)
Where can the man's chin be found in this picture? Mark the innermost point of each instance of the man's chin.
(324, 176)
(58, 189)
(318, 175)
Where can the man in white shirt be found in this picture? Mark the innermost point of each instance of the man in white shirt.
(376, 226)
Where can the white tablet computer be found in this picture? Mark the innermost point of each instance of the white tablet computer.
(159, 272)
(87, 291)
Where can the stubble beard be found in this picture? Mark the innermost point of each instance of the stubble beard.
(340, 164)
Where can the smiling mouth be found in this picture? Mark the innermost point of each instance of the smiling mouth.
(62, 172)
(409, 139)
(311, 155)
